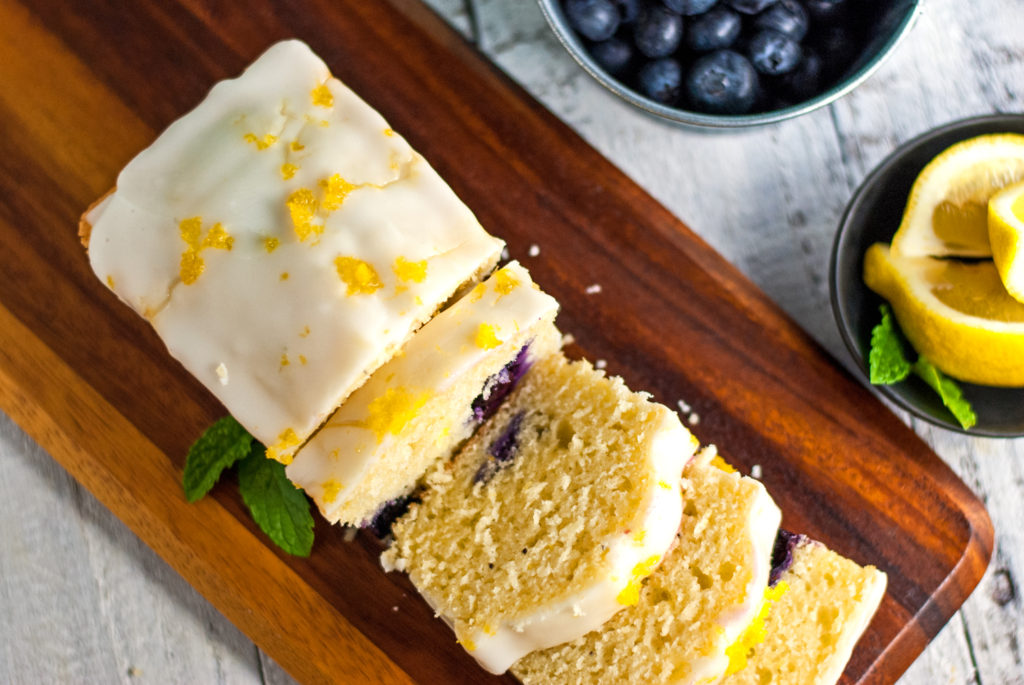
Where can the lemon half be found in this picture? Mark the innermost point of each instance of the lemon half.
(1006, 234)
(947, 211)
(956, 314)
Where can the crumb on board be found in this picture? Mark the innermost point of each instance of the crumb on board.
(593, 289)
(350, 534)
(568, 339)
(693, 419)
(684, 408)
(600, 364)
(755, 471)
(534, 250)
(504, 254)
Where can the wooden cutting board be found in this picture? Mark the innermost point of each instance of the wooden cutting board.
(83, 90)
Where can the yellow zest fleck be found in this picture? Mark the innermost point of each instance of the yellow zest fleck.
(390, 412)
(489, 629)
(360, 277)
(296, 146)
(477, 292)
(284, 359)
(218, 238)
(302, 359)
(270, 244)
(260, 143)
(741, 650)
(389, 132)
(302, 206)
(419, 301)
(336, 189)
(486, 338)
(286, 440)
(664, 484)
(288, 170)
(638, 537)
(110, 281)
(191, 263)
(410, 271)
(505, 282)
(322, 96)
(331, 489)
(284, 275)
(305, 332)
(722, 464)
(467, 644)
(630, 594)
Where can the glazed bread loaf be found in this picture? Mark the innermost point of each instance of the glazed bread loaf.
(284, 242)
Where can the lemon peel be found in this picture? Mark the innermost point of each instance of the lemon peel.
(1006, 235)
(947, 211)
(956, 314)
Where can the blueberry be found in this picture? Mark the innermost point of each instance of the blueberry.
(593, 19)
(689, 7)
(805, 81)
(773, 53)
(628, 10)
(826, 11)
(661, 80)
(723, 82)
(716, 29)
(658, 32)
(613, 55)
(750, 6)
(787, 17)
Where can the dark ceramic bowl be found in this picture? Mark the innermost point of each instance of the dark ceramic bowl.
(873, 215)
(889, 25)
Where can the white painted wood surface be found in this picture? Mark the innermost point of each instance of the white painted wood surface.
(83, 600)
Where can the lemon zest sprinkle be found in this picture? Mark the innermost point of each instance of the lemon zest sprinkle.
(288, 171)
(303, 205)
(630, 594)
(360, 276)
(270, 244)
(261, 143)
(331, 490)
(486, 338)
(756, 633)
(390, 412)
(410, 271)
(322, 96)
(278, 451)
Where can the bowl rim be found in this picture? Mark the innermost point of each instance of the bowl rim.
(574, 46)
(838, 307)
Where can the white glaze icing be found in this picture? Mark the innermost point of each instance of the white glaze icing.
(278, 316)
(629, 556)
(336, 459)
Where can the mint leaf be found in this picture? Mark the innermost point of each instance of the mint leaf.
(279, 508)
(223, 443)
(948, 390)
(887, 363)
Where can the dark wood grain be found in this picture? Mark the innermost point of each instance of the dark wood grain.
(84, 90)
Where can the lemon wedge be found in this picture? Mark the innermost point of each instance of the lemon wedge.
(956, 314)
(1006, 234)
(947, 211)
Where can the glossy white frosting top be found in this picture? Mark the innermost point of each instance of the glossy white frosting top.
(284, 241)
(332, 465)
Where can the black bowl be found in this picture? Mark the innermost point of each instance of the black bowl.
(873, 215)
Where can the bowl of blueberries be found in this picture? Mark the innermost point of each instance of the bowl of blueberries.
(730, 63)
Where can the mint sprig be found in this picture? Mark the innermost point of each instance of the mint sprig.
(949, 391)
(223, 443)
(279, 508)
(887, 364)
